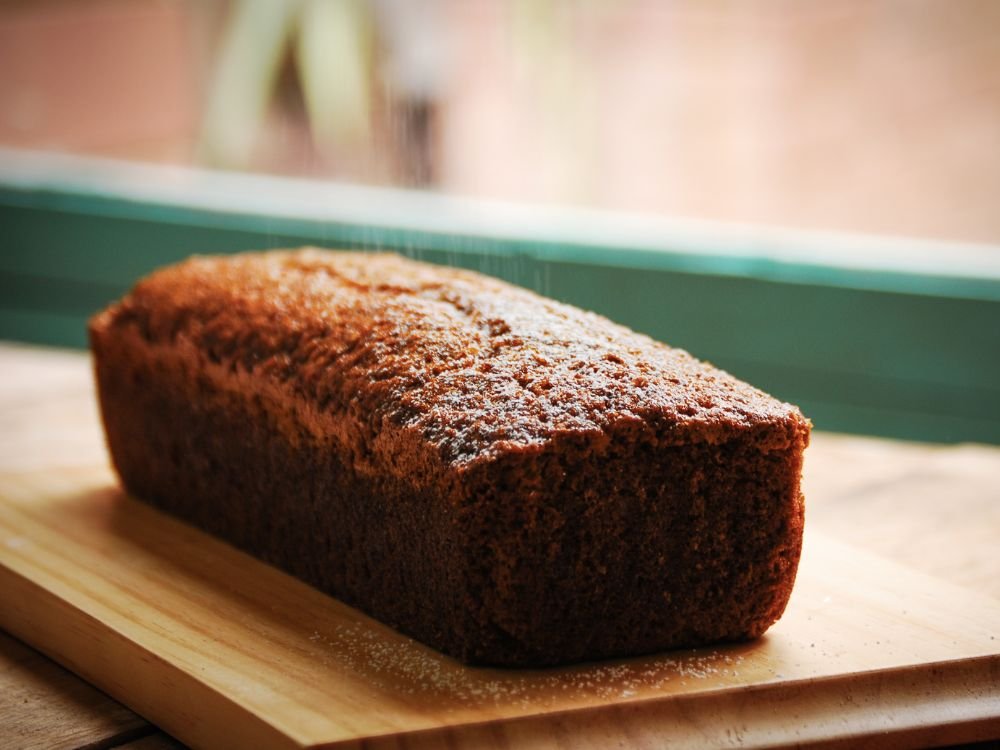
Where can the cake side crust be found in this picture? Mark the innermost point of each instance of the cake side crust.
(663, 547)
(222, 461)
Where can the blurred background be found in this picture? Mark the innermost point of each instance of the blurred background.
(807, 194)
(866, 115)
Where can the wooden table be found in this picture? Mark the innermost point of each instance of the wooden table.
(932, 508)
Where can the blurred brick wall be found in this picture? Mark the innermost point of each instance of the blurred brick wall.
(103, 76)
(867, 115)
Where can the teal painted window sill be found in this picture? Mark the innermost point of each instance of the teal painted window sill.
(882, 336)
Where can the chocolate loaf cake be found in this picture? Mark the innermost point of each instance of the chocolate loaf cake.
(510, 480)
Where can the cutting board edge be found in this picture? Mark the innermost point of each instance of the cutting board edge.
(702, 717)
(695, 720)
(122, 683)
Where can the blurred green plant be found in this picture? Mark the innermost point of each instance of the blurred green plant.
(330, 42)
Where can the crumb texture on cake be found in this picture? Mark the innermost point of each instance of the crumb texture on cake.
(476, 366)
(507, 478)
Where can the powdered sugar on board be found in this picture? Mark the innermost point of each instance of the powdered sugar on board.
(408, 669)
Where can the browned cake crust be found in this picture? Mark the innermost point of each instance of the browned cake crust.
(510, 480)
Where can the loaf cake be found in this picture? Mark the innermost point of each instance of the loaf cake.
(510, 480)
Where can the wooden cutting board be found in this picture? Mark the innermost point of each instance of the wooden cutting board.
(223, 651)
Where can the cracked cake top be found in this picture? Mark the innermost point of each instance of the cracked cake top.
(470, 364)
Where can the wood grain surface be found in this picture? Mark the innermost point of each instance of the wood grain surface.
(176, 624)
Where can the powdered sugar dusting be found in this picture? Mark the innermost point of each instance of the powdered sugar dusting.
(415, 673)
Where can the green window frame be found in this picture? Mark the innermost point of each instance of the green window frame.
(874, 335)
